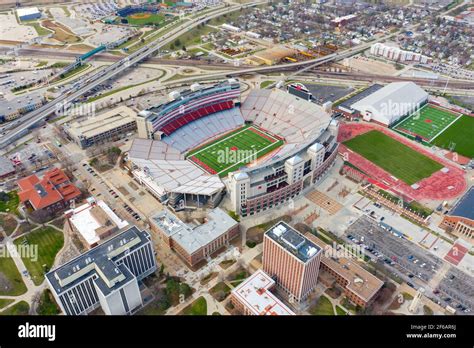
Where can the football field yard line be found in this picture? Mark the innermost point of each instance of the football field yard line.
(449, 125)
(218, 142)
(243, 160)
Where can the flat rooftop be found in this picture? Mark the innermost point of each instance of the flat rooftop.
(100, 261)
(102, 123)
(13, 105)
(293, 241)
(464, 207)
(193, 237)
(88, 225)
(254, 293)
(360, 281)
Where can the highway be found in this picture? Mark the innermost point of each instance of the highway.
(89, 82)
(61, 103)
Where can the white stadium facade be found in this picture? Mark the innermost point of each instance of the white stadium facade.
(391, 103)
(157, 159)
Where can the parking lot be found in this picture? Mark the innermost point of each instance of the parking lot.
(324, 93)
(458, 290)
(388, 246)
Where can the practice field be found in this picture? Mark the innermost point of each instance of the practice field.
(234, 150)
(428, 122)
(459, 137)
(394, 157)
(146, 18)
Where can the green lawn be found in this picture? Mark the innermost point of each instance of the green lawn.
(49, 241)
(340, 311)
(220, 291)
(11, 282)
(21, 308)
(461, 134)
(234, 150)
(4, 303)
(153, 19)
(39, 29)
(198, 307)
(428, 122)
(322, 307)
(11, 204)
(394, 157)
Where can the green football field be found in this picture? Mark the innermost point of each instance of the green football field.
(234, 150)
(459, 137)
(428, 123)
(394, 157)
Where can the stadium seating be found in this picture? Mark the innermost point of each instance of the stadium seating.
(200, 130)
(183, 120)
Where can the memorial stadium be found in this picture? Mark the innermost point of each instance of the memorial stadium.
(208, 143)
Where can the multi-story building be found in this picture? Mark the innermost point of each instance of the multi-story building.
(94, 222)
(14, 108)
(360, 286)
(108, 126)
(460, 218)
(195, 242)
(254, 297)
(52, 193)
(291, 260)
(106, 276)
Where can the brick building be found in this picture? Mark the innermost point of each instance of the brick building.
(54, 192)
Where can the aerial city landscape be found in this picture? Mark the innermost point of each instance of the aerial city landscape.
(237, 157)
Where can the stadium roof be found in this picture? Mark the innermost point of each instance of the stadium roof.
(254, 294)
(27, 11)
(192, 238)
(393, 101)
(464, 206)
(168, 168)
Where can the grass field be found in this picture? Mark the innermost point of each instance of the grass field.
(21, 308)
(322, 307)
(11, 204)
(394, 157)
(461, 133)
(198, 307)
(146, 19)
(234, 150)
(429, 122)
(10, 278)
(49, 241)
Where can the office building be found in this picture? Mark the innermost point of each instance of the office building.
(291, 260)
(106, 276)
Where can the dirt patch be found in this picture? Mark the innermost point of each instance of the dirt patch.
(5, 284)
(123, 190)
(140, 16)
(8, 223)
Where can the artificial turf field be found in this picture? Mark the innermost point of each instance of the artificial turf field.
(459, 137)
(234, 150)
(428, 123)
(394, 157)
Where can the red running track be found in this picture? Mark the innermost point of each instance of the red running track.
(439, 186)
